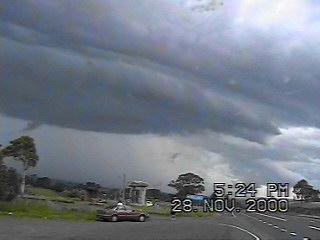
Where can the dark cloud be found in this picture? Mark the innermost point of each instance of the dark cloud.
(124, 68)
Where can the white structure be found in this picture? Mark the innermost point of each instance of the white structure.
(136, 192)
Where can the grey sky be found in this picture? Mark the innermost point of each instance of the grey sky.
(121, 86)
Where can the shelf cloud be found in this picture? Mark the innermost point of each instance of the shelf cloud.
(241, 70)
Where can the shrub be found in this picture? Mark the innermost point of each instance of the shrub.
(10, 182)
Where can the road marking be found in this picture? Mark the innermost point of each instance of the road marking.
(252, 217)
(312, 221)
(283, 229)
(310, 216)
(315, 228)
(280, 219)
(241, 229)
(233, 214)
(293, 234)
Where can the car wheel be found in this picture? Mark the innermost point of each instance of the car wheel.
(142, 218)
(114, 218)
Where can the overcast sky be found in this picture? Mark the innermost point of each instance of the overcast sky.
(152, 89)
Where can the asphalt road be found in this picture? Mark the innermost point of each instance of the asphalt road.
(224, 226)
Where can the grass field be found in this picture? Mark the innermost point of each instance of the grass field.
(55, 206)
(51, 206)
(48, 194)
(42, 209)
(43, 192)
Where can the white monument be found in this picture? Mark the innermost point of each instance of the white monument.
(136, 192)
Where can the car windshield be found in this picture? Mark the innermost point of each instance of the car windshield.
(120, 208)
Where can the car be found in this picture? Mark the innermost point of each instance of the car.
(121, 213)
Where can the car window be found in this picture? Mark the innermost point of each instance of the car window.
(121, 208)
(128, 208)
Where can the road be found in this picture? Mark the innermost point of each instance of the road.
(224, 226)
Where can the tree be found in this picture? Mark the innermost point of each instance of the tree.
(305, 191)
(59, 187)
(153, 193)
(187, 183)
(22, 149)
(92, 190)
(43, 182)
(9, 181)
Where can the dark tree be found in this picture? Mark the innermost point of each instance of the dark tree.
(153, 194)
(58, 187)
(9, 181)
(92, 190)
(305, 191)
(43, 182)
(187, 183)
(22, 149)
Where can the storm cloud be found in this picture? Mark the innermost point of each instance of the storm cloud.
(243, 71)
(105, 66)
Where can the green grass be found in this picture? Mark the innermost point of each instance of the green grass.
(37, 209)
(79, 211)
(48, 194)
